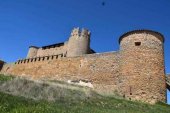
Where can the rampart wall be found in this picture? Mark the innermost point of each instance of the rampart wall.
(142, 66)
(135, 72)
(52, 51)
(101, 70)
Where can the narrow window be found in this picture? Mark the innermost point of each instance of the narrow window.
(137, 43)
(65, 54)
(47, 58)
(56, 56)
(61, 55)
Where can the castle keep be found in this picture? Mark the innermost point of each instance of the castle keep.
(78, 44)
(135, 72)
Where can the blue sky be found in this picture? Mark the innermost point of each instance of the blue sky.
(40, 22)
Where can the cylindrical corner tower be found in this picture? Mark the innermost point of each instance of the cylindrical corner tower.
(79, 43)
(32, 51)
(142, 69)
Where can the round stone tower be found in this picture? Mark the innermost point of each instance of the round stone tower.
(32, 51)
(142, 70)
(79, 43)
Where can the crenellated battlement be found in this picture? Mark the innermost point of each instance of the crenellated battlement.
(38, 59)
(85, 33)
(79, 42)
(79, 32)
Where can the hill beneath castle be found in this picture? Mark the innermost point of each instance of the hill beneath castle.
(25, 96)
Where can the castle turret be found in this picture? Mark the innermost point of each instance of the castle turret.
(32, 51)
(79, 43)
(142, 70)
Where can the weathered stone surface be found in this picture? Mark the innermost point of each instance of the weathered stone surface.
(142, 67)
(101, 70)
(135, 72)
(77, 45)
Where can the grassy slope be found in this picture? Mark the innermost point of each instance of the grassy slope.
(14, 104)
(5, 78)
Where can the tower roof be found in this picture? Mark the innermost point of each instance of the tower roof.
(53, 45)
(161, 38)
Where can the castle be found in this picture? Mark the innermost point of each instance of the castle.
(78, 44)
(135, 72)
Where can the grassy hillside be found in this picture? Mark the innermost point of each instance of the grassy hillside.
(46, 90)
(14, 104)
(18, 104)
(5, 78)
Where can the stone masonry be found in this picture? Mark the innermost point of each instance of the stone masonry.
(135, 72)
(78, 44)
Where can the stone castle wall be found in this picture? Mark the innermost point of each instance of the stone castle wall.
(135, 72)
(46, 51)
(52, 51)
(142, 66)
(101, 70)
(6, 69)
(77, 45)
(32, 52)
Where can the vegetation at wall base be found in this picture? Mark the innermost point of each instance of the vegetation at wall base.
(100, 104)
(5, 78)
(15, 104)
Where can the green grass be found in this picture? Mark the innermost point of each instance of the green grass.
(73, 104)
(5, 78)
(14, 104)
